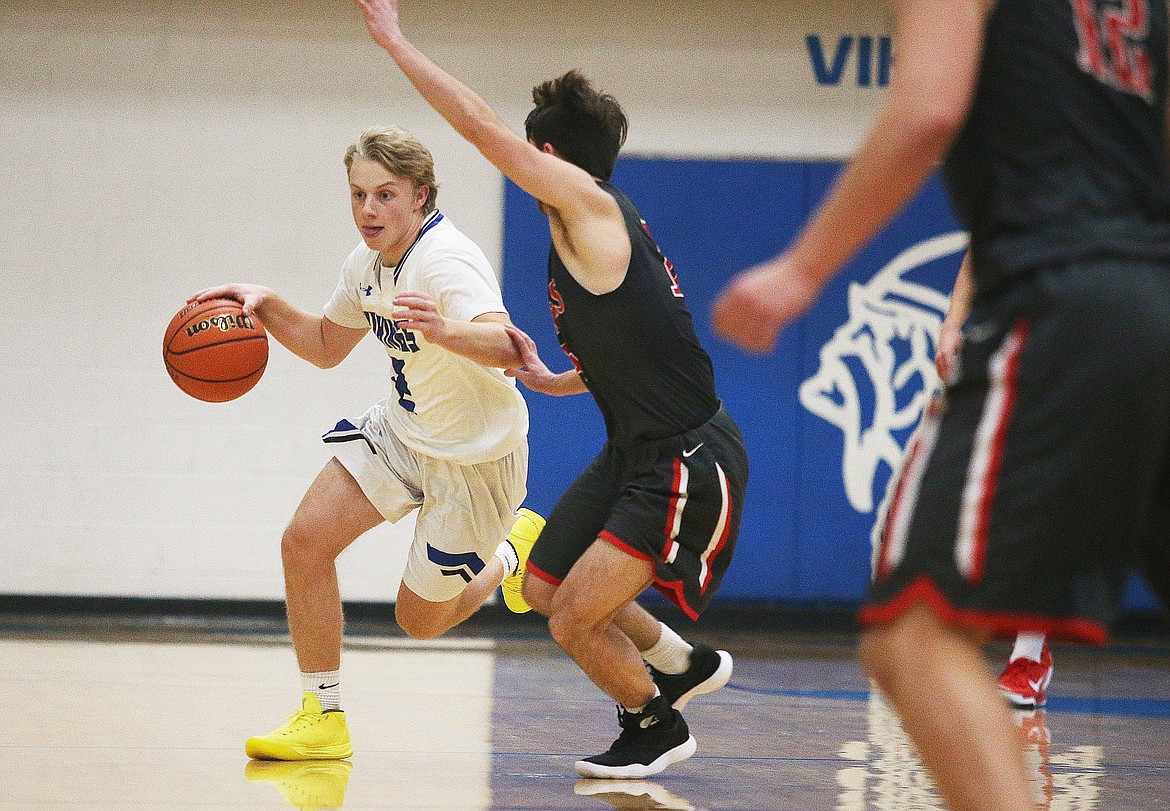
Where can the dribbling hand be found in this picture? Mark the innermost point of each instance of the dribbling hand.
(250, 296)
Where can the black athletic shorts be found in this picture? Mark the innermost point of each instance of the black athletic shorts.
(676, 502)
(1042, 476)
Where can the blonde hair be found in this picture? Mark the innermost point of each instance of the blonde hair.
(401, 154)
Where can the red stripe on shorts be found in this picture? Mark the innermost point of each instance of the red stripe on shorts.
(609, 537)
(1013, 348)
(923, 591)
(541, 575)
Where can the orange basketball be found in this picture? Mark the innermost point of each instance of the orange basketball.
(213, 351)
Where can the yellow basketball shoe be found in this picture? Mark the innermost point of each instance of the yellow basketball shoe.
(307, 734)
(309, 786)
(523, 536)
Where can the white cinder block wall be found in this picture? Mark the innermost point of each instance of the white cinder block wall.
(149, 149)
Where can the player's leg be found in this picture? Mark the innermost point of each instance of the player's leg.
(683, 512)
(425, 619)
(331, 515)
(582, 622)
(1052, 410)
(680, 669)
(973, 749)
(469, 537)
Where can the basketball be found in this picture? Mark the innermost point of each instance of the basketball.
(213, 351)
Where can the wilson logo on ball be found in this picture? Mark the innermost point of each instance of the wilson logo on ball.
(213, 351)
(224, 322)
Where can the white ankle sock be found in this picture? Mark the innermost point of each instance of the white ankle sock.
(507, 555)
(326, 686)
(670, 654)
(1028, 646)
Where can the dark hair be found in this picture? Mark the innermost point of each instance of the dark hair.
(587, 128)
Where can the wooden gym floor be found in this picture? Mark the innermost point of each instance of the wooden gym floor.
(151, 718)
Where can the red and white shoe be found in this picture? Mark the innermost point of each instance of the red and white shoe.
(1023, 681)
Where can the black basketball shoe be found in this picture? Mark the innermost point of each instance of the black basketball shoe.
(709, 670)
(650, 741)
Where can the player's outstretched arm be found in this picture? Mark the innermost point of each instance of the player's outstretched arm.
(483, 339)
(938, 46)
(586, 210)
(535, 375)
(313, 337)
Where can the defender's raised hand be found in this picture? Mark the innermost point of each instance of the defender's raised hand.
(382, 20)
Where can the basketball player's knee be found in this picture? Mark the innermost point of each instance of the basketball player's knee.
(885, 649)
(562, 629)
(419, 624)
(875, 655)
(413, 627)
(299, 549)
(569, 628)
(294, 547)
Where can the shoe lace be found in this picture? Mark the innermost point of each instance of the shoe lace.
(629, 724)
(297, 720)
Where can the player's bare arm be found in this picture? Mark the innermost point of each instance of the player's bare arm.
(483, 339)
(586, 222)
(938, 44)
(312, 337)
(950, 338)
(535, 375)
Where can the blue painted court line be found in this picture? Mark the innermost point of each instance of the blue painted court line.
(836, 695)
(1127, 707)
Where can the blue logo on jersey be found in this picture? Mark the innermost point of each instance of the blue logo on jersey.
(873, 65)
(388, 333)
(464, 564)
(369, 288)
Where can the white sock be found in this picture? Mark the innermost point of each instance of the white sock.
(1028, 646)
(640, 710)
(507, 555)
(670, 654)
(326, 686)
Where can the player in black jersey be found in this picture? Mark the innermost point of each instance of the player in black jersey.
(661, 504)
(1045, 474)
(1024, 682)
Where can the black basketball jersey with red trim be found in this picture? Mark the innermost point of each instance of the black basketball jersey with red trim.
(636, 346)
(1064, 154)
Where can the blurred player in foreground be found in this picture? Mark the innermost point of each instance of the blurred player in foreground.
(1045, 476)
(1024, 681)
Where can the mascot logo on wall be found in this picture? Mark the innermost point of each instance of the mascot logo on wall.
(876, 373)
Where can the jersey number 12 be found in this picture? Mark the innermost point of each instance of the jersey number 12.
(1113, 44)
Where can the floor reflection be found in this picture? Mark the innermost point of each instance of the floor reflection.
(632, 794)
(886, 774)
(310, 785)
